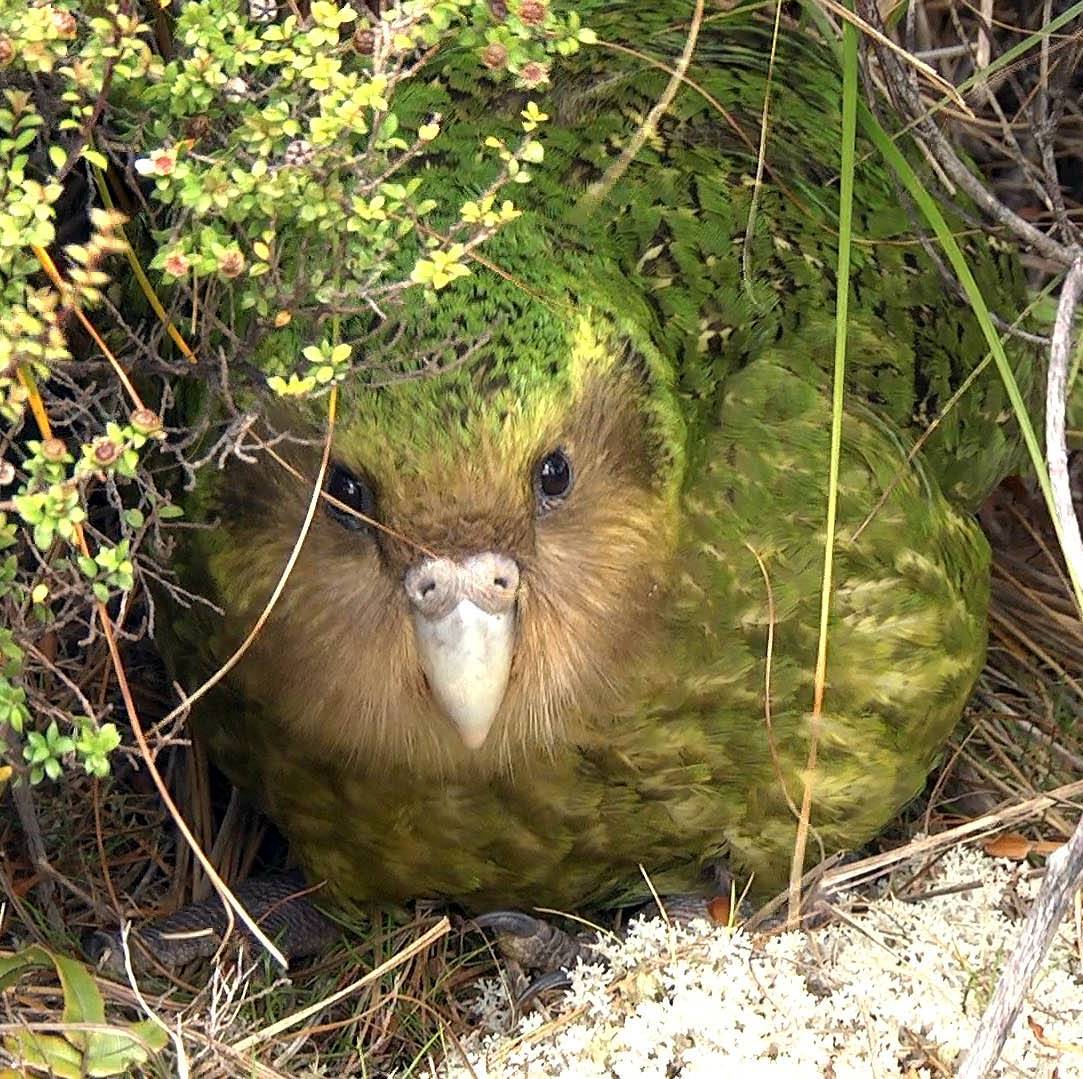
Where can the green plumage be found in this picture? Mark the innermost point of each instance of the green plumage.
(677, 346)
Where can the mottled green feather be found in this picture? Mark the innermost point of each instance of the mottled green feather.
(682, 355)
(676, 229)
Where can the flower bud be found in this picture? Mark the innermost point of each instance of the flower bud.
(364, 40)
(495, 56)
(231, 263)
(54, 450)
(533, 12)
(146, 421)
(64, 24)
(104, 451)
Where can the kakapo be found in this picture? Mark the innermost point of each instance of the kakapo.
(539, 658)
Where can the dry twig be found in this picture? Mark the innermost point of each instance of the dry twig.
(1064, 872)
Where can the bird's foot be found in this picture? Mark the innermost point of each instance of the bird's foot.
(279, 904)
(534, 943)
(531, 945)
(717, 901)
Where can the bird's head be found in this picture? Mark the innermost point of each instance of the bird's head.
(485, 571)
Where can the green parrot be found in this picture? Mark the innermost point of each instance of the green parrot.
(557, 618)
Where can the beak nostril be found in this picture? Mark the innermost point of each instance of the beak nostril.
(488, 580)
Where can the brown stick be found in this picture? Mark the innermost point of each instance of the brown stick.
(1064, 873)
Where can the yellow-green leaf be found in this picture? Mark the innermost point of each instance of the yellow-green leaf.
(79, 1053)
(48, 1052)
(96, 158)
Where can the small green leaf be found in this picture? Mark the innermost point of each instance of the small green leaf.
(79, 1054)
(50, 1052)
(96, 158)
(116, 1053)
(532, 152)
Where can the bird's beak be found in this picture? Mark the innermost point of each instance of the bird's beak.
(464, 625)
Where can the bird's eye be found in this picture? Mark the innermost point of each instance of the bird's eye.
(352, 491)
(553, 479)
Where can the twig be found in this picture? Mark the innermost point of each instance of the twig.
(1072, 760)
(64, 292)
(869, 869)
(1064, 873)
(1050, 108)
(28, 818)
(761, 158)
(183, 1070)
(929, 72)
(1055, 396)
(948, 159)
(280, 585)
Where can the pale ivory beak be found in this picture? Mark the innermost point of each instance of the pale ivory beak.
(464, 625)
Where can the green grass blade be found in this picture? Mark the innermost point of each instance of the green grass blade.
(1020, 48)
(842, 308)
(930, 210)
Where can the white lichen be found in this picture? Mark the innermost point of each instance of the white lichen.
(895, 990)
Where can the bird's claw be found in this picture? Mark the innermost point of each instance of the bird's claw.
(105, 950)
(533, 943)
(148, 948)
(278, 903)
(512, 922)
(544, 983)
